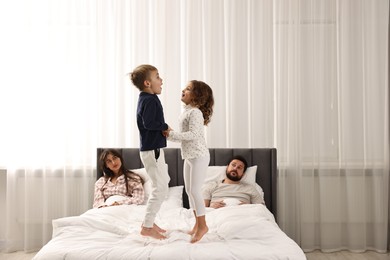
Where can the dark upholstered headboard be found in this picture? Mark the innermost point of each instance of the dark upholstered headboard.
(264, 158)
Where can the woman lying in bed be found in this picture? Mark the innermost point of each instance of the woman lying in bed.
(118, 186)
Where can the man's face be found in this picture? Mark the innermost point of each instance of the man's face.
(235, 170)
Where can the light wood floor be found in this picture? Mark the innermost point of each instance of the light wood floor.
(316, 255)
(17, 256)
(345, 255)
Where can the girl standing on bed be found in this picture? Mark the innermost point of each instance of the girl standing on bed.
(118, 186)
(199, 101)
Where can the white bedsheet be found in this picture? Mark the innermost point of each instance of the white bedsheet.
(237, 232)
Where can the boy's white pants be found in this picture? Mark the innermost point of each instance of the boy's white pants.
(158, 174)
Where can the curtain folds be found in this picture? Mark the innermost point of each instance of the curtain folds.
(332, 121)
(307, 77)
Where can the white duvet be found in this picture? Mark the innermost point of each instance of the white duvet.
(241, 232)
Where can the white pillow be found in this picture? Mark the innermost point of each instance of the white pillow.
(260, 190)
(250, 175)
(217, 173)
(174, 198)
(250, 178)
(147, 182)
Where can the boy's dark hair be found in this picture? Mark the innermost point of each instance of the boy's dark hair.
(240, 158)
(140, 74)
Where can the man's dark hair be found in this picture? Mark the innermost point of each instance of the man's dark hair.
(240, 158)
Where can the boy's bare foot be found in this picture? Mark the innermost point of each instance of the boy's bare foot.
(151, 232)
(158, 229)
(199, 234)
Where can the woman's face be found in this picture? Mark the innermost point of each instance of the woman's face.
(113, 163)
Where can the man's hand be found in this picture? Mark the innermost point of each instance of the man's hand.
(217, 204)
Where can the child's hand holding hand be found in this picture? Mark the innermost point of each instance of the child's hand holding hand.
(166, 132)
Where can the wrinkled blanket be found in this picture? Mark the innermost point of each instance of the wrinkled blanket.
(235, 232)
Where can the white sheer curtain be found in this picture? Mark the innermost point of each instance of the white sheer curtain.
(307, 77)
(332, 122)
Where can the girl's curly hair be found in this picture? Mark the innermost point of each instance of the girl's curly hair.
(202, 97)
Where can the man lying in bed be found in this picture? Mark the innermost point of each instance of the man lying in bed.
(231, 191)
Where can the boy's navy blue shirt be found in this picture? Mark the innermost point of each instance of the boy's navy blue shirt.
(150, 121)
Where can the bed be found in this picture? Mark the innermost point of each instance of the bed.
(235, 232)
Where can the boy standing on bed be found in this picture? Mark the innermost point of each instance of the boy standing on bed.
(151, 126)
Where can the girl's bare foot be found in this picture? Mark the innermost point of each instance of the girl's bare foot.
(193, 231)
(199, 234)
(152, 232)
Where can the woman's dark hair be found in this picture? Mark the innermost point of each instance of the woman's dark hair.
(202, 97)
(107, 173)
